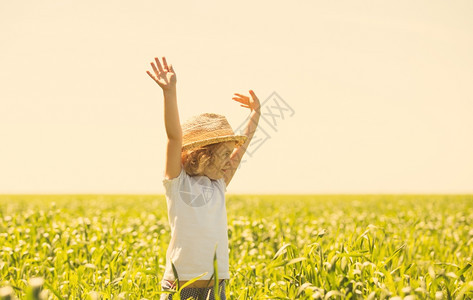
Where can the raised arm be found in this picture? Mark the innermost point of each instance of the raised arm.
(250, 128)
(165, 77)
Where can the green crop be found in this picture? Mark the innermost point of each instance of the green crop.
(281, 246)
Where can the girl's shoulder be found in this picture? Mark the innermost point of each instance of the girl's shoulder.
(181, 175)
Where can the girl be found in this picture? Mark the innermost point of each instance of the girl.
(201, 159)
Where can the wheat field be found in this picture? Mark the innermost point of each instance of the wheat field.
(281, 246)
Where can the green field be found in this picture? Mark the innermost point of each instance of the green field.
(281, 246)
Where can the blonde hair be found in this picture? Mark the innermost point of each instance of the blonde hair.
(196, 160)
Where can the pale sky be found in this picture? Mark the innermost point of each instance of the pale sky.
(379, 94)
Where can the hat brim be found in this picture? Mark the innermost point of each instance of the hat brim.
(239, 139)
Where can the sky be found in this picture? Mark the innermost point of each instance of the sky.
(358, 97)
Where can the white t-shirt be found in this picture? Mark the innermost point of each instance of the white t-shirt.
(198, 220)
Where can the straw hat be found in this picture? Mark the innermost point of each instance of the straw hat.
(206, 129)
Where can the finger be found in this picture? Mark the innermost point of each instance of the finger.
(172, 69)
(154, 68)
(150, 75)
(245, 106)
(253, 94)
(240, 100)
(241, 95)
(160, 68)
(165, 63)
(243, 98)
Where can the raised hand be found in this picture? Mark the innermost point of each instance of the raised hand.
(164, 77)
(251, 103)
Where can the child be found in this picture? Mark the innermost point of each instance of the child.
(201, 159)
